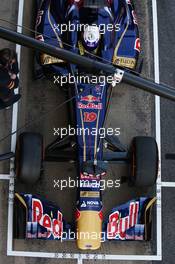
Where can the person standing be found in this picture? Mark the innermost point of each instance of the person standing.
(8, 78)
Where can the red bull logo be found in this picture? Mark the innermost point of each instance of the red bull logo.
(89, 106)
(90, 98)
(117, 226)
(54, 226)
(89, 176)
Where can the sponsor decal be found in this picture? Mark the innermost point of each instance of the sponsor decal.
(90, 204)
(96, 203)
(89, 194)
(83, 205)
(117, 226)
(90, 98)
(137, 45)
(125, 62)
(89, 176)
(34, 235)
(47, 59)
(54, 226)
(90, 117)
(81, 48)
(89, 106)
(89, 184)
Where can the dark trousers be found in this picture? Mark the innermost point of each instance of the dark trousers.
(9, 100)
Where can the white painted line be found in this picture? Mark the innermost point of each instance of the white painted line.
(158, 127)
(80, 257)
(4, 176)
(168, 184)
(79, 260)
(13, 140)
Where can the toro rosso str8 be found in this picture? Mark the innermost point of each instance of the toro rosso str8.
(37, 218)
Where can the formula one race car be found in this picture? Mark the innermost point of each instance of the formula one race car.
(105, 31)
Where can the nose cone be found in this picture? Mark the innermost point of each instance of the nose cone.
(89, 230)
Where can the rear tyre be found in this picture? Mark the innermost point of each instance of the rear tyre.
(144, 161)
(29, 157)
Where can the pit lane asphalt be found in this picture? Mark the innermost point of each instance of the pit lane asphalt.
(133, 109)
(166, 24)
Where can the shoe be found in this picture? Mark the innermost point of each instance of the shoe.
(15, 98)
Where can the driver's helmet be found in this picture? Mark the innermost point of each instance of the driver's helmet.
(91, 37)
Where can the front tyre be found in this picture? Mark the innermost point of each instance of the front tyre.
(144, 161)
(29, 157)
